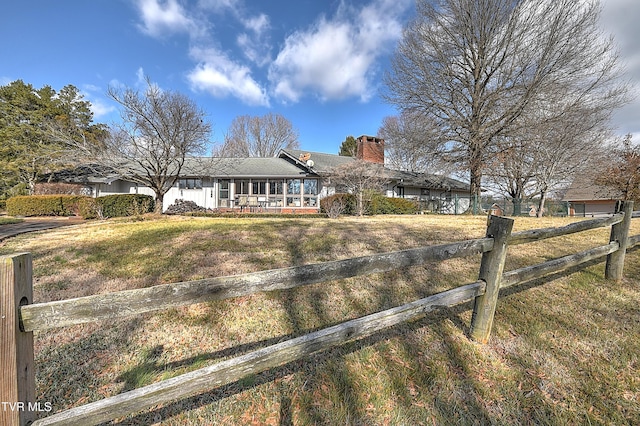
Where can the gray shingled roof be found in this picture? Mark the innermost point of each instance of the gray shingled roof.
(240, 167)
(322, 163)
(583, 189)
(427, 180)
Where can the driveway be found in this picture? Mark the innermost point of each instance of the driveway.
(35, 224)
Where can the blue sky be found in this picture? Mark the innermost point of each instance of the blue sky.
(319, 63)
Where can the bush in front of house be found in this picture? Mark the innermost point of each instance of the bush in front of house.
(80, 205)
(119, 205)
(375, 203)
(51, 205)
(338, 204)
(380, 204)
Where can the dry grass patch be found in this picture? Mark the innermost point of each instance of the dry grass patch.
(565, 350)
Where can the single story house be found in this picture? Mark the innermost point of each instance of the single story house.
(586, 199)
(294, 181)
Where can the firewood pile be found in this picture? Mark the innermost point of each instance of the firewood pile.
(184, 206)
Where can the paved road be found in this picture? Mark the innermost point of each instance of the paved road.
(35, 224)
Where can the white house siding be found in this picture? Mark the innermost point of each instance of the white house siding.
(201, 196)
(115, 187)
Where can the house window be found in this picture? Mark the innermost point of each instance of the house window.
(259, 187)
(275, 187)
(224, 189)
(190, 183)
(310, 187)
(293, 193)
(242, 187)
(293, 187)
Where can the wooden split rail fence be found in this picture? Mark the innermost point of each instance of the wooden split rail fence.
(20, 316)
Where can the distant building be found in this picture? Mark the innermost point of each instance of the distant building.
(586, 199)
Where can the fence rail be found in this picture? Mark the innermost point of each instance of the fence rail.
(63, 313)
(20, 316)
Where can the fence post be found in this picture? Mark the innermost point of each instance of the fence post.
(491, 269)
(620, 233)
(17, 387)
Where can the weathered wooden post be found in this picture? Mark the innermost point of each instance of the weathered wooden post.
(619, 232)
(491, 269)
(17, 384)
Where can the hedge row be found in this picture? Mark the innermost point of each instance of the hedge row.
(80, 205)
(374, 204)
(125, 204)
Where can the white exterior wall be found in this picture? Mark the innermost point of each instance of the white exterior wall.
(200, 196)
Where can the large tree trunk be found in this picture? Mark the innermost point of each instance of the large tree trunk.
(159, 201)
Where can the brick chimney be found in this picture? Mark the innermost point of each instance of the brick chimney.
(370, 149)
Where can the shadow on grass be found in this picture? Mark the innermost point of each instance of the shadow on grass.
(463, 405)
(326, 363)
(331, 366)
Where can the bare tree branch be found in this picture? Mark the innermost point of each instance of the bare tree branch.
(258, 137)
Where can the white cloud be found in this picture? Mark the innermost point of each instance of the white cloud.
(255, 44)
(221, 77)
(160, 17)
(258, 24)
(335, 59)
(101, 108)
(218, 5)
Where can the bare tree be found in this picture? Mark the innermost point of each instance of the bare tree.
(547, 147)
(477, 66)
(258, 137)
(359, 177)
(412, 143)
(565, 148)
(158, 131)
(512, 171)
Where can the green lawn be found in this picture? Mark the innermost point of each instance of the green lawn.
(9, 220)
(563, 351)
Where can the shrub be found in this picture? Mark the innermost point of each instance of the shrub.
(119, 205)
(404, 206)
(375, 203)
(337, 204)
(51, 205)
(379, 204)
(80, 205)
